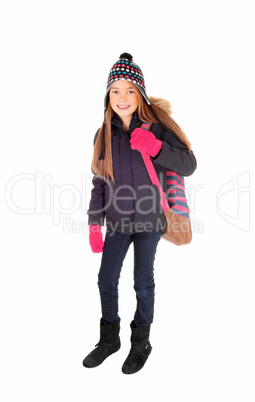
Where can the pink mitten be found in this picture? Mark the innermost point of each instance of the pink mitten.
(96, 238)
(143, 140)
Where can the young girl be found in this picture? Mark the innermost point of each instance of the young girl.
(124, 197)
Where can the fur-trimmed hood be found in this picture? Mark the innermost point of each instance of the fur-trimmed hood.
(162, 104)
(166, 107)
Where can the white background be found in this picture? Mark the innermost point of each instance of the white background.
(55, 59)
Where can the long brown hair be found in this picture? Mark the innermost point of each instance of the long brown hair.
(103, 167)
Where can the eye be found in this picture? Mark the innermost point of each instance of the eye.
(114, 92)
(131, 92)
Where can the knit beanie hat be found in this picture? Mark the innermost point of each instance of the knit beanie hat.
(126, 69)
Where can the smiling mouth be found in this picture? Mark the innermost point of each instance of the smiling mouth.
(123, 107)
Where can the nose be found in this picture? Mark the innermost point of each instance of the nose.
(122, 98)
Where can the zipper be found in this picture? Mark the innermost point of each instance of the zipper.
(132, 177)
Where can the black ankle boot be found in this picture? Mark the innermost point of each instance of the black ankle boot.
(140, 349)
(109, 343)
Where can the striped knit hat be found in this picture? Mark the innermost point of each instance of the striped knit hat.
(126, 69)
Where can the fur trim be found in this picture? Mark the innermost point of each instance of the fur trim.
(161, 103)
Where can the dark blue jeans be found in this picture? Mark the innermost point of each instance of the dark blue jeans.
(115, 249)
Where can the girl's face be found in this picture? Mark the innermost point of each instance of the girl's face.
(124, 100)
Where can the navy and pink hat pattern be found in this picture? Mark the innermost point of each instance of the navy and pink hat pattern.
(126, 69)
